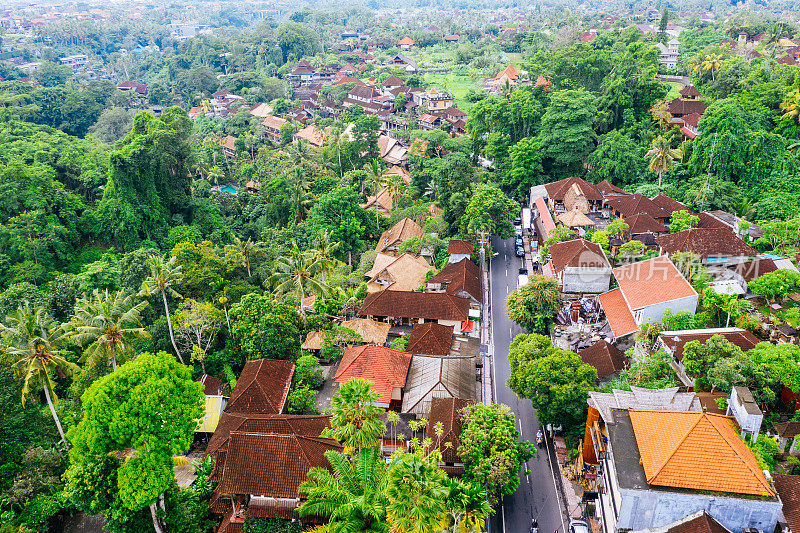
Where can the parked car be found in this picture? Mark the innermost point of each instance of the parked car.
(517, 241)
(523, 277)
(517, 221)
(534, 245)
(578, 526)
(519, 251)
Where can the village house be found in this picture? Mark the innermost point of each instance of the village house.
(580, 266)
(715, 246)
(272, 128)
(406, 43)
(687, 103)
(446, 413)
(668, 53)
(431, 377)
(458, 250)
(433, 101)
(678, 463)
(312, 135)
(408, 64)
(430, 338)
(788, 488)
(262, 387)
(228, 144)
(249, 486)
(625, 206)
(668, 204)
(673, 342)
(370, 331)
(646, 290)
(383, 202)
(459, 279)
(406, 308)
(405, 272)
(393, 152)
(606, 358)
(387, 369)
(392, 238)
(133, 87)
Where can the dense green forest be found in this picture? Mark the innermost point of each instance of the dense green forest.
(117, 244)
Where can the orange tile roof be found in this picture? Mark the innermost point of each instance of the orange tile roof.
(619, 316)
(651, 282)
(406, 40)
(384, 367)
(697, 451)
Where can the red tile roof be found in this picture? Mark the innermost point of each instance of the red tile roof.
(696, 451)
(606, 187)
(704, 523)
(462, 276)
(682, 107)
(509, 71)
(750, 270)
(430, 338)
(651, 282)
(578, 253)
(385, 368)
(644, 224)
(706, 242)
(619, 317)
(408, 304)
(558, 189)
(605, 357)
(457, 246)
(447, 411)
(788, 488)
(668, 204)
(212, 385)
(306, 425)
(262, 387)
(637, 204)
(690, 91)
(404, 230)
(271, 465)
(676, 340)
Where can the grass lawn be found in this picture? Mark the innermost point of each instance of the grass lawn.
(456, 84)
(674, 90)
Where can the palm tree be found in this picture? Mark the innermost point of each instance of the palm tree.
(660, 113)
(712, 62)
(377, 180)
(468, 506)
(105, 324)
(215, 175)
(300, 195)
(417, 490)
(29, 346)
(163, 276)
(297, 273)
(662, 156)
(354, 420)
(244, 250)
(352, 497)
(791, 105)
(325, 251)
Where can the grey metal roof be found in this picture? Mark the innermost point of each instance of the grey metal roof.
(639, 398)
(437, 377)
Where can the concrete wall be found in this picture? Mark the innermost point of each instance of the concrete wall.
(643, 509)
(586, 280)
(655, 313)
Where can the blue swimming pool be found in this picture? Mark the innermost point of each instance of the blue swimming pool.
(230, 189)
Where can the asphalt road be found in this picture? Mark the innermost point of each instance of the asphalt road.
(536, 496)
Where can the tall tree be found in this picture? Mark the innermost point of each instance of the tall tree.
(535, 304)
(299, 273)
(567, 133)
(417, 491)
(353, 496)
(490, 449)
(354, 420)
(489, 210)
(30, 345)
(163, 275)
(243, 251)
(104, 324)
(661, 156)
(148, 411)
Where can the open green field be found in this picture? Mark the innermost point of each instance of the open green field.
(674, 90)
(457, 84)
